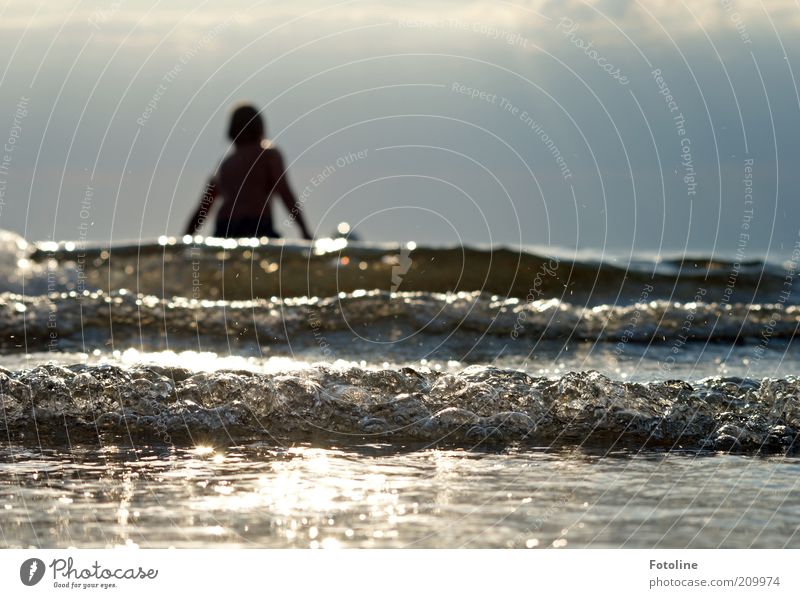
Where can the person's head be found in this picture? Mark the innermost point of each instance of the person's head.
(246, 126)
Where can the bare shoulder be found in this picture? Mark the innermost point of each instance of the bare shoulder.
(272, 159)
(271, 155)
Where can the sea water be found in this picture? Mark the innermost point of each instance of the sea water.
(201, 392)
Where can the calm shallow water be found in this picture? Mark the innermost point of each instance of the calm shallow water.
(256, 495)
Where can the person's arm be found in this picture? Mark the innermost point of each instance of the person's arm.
(287, 195)
(209, 195)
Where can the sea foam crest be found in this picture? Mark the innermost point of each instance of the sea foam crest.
(268, 321)
(476, 405)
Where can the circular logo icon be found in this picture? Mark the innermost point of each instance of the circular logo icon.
(31, 572)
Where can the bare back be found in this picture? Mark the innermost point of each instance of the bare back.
(245, 184)
(247, 180)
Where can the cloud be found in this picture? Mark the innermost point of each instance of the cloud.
(607, 21)
(673, 14)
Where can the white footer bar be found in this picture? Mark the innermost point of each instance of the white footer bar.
(399, 573)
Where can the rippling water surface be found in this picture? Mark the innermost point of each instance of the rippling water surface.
(258, 495)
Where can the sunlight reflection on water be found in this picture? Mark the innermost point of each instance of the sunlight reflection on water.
(369, 496)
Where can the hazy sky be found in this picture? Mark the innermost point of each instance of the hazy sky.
(611, 125)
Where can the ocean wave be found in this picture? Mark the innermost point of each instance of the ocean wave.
(99, 316)
(251, 268)
(473, 406)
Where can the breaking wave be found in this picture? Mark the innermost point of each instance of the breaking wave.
(100, 316)
(476, 405)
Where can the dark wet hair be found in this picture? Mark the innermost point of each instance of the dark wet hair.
(246, 126)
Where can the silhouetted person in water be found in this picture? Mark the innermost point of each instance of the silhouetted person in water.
(247, 180)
